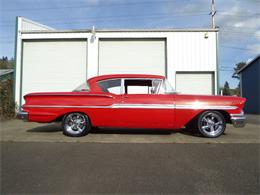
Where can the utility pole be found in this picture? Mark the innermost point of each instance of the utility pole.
(213, 12)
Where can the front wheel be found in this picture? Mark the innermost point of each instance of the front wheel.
(211, 124)
(75, 124)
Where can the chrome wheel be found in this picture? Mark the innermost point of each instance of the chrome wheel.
(212, 124)
(75, 124)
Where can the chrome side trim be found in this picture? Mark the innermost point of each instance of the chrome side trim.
(207, 107)
(62, 106)
(79, 94)
(144, 106)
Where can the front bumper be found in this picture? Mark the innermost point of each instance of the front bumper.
(22, 115)
(238, 120)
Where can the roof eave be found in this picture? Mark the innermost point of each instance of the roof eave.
(248, 64)
(125, 30)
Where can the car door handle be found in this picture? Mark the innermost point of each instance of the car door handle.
(124, 97)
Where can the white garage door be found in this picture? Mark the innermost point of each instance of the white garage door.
(142, 56)
(194, 83)
(53, 65)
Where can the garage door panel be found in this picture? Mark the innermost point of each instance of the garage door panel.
(132, 56)
(194, 83)
(53, 65)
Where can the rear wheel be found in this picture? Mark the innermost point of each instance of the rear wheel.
(211, 124)
(75, 124)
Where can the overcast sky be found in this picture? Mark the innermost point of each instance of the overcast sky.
(238, 20)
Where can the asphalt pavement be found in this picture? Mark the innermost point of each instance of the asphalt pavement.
(82, 168)
(39, 159)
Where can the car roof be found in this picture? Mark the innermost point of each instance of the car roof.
(114, 76)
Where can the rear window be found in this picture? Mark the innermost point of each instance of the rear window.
(111, 86)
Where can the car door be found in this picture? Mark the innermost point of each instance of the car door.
(105, 115)
(142, 107)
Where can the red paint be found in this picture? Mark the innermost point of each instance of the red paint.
(171, 118)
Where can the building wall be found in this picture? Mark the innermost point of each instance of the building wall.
(250, 84)
(186, 50)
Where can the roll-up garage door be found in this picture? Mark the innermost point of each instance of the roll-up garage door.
(195, 83)
(53, 66)
(132, 56)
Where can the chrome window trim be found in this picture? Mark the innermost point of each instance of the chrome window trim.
(122, 86)
(122, 90)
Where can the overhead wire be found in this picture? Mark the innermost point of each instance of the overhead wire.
(86, 6)
(117, 16)
(121, 17)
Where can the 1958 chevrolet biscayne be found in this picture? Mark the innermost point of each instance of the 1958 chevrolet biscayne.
(132, 101)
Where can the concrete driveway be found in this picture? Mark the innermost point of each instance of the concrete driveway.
(19, 131)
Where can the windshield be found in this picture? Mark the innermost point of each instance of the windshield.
(83, 87)
(166, 87)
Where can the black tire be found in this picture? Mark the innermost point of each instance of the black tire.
(76, 124)
(211, 124)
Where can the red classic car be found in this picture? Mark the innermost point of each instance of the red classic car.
(132, 101)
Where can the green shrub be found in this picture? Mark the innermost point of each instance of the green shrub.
(7, 104)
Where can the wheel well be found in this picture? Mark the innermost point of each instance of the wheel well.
(59, 118)
(224, 113)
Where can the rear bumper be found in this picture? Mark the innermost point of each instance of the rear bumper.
(22, 115)
(238, 120)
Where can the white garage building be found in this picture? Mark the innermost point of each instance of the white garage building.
(59, 60)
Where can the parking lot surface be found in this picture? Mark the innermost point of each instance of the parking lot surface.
(16, 130)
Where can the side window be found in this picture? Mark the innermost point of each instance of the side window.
(142, 86)
(111, 86)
